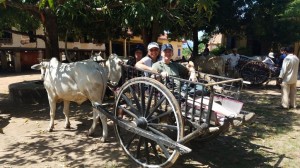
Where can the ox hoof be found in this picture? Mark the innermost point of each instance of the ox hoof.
(90, 133)
(68, 126)
(103, 140)
(50, 129)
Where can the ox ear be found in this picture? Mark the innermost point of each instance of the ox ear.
(36, 66)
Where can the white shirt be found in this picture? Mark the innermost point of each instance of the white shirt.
(148, 61)
(234, 59)
(289, 70)
(269, 62)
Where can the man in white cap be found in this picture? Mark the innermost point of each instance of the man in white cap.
(152, 57)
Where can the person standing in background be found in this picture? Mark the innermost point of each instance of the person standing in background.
(288, 79)
(233, 60)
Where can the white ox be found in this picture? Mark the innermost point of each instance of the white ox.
(77, 82)
(210, 64)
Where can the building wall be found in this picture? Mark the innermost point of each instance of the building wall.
(220, 39)
(22, 42)
(118, 46)
(25, 53)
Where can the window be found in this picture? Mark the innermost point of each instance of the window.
(5, 37)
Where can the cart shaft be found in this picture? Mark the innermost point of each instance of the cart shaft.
(147, 134)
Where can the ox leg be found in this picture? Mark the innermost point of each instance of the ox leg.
(66, 111)
(103, 118)
(52, 115)
(93, 127)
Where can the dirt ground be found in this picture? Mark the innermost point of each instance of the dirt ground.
(24, 141)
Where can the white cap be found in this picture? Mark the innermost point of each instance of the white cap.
(271, 55)
(153, 45)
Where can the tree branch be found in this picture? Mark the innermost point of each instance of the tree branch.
(27, 7)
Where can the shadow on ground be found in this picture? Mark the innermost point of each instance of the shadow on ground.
(231, 150)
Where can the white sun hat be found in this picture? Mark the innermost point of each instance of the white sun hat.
(271, 55)
(153, 45)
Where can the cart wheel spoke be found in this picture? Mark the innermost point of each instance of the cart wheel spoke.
(132, 114)
(164, 149)
(147, 151)
(153, 146)
(130, 141)
(136, 100)
(138, 150)
(129, 103)
(142, 96)
(160, 116)
(149, 101)
(152, 108)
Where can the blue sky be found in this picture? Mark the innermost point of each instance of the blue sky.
(184, 45)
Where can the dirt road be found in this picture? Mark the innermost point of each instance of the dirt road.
(25, 143)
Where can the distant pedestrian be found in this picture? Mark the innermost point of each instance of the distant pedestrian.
(288, 79)
(233, 60)
(206, 50)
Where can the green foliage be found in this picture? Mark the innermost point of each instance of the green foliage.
(269, 21)
(201, 47)
(11, 17)
(269, 24)
(186, 52)
(292, 11)
(219, 50)
(229, 16)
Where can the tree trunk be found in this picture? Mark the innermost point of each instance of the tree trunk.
(146, 37)
(51, 35)
(150, 35)
(196, 43)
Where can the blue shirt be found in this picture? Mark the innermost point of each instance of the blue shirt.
(280, 61)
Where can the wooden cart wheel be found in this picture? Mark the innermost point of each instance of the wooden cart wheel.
(256, 72)
(148, 104)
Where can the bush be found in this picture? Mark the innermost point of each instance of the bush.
(218, 51)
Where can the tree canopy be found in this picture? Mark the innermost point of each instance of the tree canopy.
(270, 21)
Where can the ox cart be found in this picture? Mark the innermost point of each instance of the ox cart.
(154, 119)
(255, 71)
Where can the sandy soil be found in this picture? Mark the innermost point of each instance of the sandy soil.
(25, 143)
